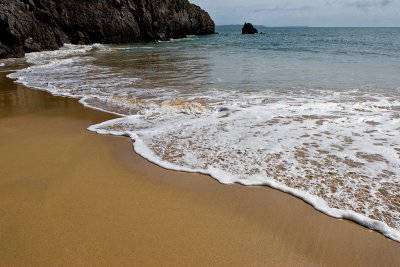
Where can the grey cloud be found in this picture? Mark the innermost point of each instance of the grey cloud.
(386, 2)
(362, 4)
(331, 2)
(309, 12)
(259, 10)
(282, 8)
(368, 4)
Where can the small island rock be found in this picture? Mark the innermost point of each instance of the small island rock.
(248, 28)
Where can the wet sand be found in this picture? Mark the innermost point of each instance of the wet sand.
(69, 197)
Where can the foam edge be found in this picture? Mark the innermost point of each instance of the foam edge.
(225, 178)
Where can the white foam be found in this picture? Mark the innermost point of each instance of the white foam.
(65, 51)
(173, 40)
(2, 64)
(135, 48)
(340, 157)
(228, 178)
(338, 151)
(69, 72)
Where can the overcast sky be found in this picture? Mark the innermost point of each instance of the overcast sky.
(304, 12)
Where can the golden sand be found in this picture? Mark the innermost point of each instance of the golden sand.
(69, 197)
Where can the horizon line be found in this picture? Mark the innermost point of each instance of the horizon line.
(303, 26)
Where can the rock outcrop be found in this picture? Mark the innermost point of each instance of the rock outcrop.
(248, 28)
(36, 25)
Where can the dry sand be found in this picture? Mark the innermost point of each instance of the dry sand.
(69, 197)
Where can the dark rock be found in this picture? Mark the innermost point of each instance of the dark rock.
(248, 28)
(221, 109)
(36, 25)
(31, 46)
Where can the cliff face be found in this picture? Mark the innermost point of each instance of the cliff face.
(36, 25)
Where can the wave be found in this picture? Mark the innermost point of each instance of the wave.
(337, 150)
(67, 50)
(224, 177)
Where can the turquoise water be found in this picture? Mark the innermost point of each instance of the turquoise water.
(314, 112)
(338, 58)
(282, 58)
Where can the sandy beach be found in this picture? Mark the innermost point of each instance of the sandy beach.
(70, 197)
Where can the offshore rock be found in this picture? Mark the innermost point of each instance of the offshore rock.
(248, 28)
(37, 25)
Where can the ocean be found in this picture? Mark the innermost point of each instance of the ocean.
(313, 112)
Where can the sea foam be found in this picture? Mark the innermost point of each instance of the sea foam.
(337, 150)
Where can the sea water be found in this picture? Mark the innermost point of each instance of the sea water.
(314, 112)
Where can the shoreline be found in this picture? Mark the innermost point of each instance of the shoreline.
(101, 204)
(141, 148)
(316, 202)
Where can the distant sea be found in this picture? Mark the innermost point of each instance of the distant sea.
(314, 112)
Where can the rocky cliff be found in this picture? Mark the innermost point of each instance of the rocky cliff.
(36, 25)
